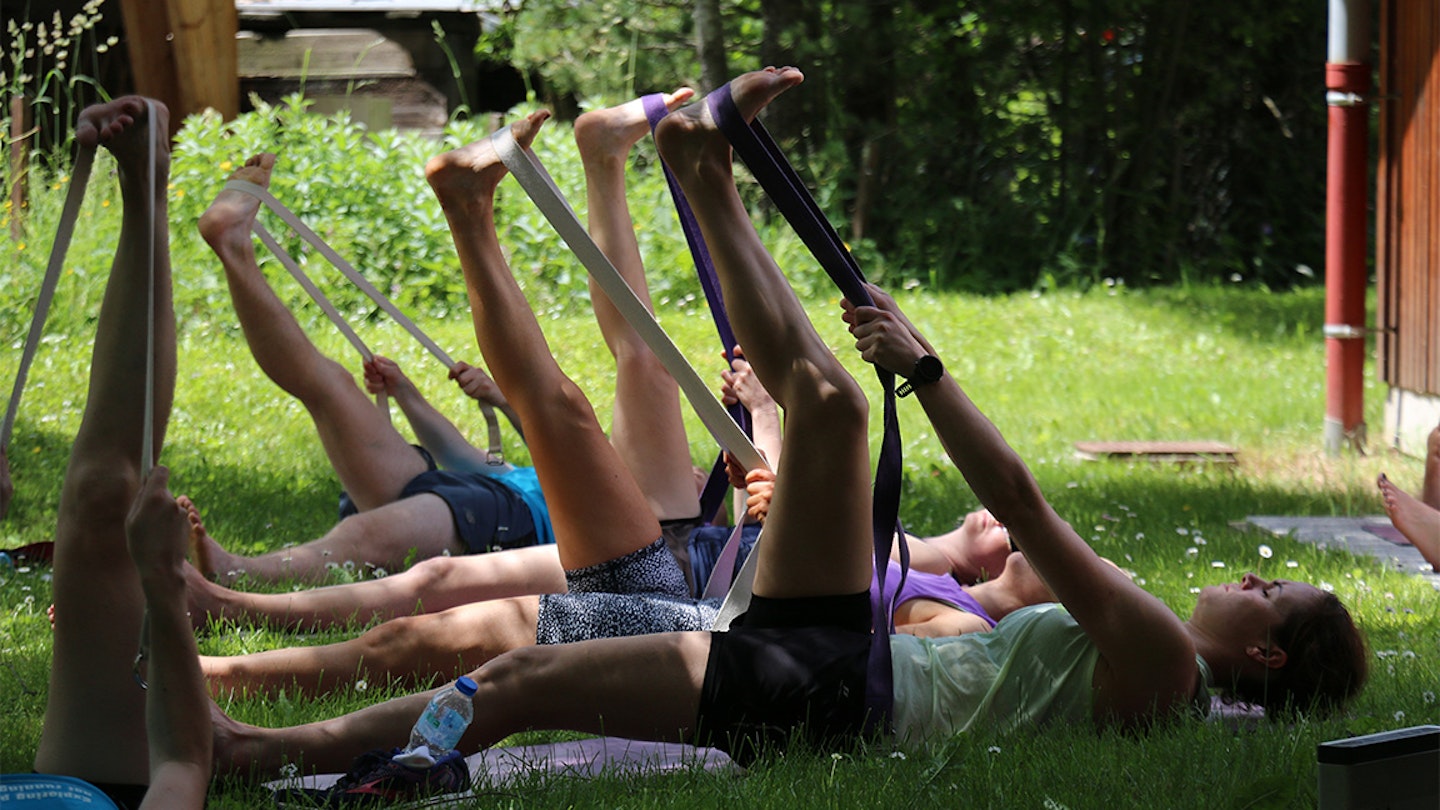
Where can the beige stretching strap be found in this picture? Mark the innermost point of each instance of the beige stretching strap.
(495, 453)
(541, 188)
(79, 179)
(547, 197)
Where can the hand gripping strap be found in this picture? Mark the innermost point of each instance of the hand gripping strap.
(538, 184)
(495, 453)
(765, 161)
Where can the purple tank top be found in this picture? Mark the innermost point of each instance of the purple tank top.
(923, 585)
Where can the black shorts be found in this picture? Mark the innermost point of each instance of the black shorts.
(488, 515)
(792, 666)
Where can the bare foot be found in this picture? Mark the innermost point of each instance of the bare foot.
(206, 554)
(1419, 522)
(121, 126)
(609, 134)
(1430, 489)
(157, 534)
(233, 744)
(200, 598)
(689, 140)
(225, 225)
(469, 175)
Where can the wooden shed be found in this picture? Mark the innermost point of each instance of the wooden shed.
(1407, 221)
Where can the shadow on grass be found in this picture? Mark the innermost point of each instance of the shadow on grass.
(287, 499)
(1251, 314)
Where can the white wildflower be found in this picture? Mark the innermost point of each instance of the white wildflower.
(1266, 552)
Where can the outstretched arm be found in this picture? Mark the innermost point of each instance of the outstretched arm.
(478, 386)
(739, 384)
(1112, 610)
(436, 433)
(177, 705)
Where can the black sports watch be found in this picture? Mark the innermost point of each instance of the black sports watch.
(928, 369)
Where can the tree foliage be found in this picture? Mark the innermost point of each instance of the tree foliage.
(1012, 143)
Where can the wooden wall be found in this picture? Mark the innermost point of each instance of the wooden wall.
(1407, 220)
(183, 53)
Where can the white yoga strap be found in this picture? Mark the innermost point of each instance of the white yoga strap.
(541, 188)
(495, 453)
(64, 232)
(79, 179)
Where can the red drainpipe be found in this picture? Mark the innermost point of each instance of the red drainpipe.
(1347, 80)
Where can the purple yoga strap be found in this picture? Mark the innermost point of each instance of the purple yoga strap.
(765, 161)
(719, 482)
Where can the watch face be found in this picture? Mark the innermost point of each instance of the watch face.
(928, 369)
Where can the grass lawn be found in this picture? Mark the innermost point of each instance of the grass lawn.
(1244, 367)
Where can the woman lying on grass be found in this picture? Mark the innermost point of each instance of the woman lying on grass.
(650, 438)
(1114, 655)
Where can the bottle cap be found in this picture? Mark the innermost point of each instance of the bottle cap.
(466, 686)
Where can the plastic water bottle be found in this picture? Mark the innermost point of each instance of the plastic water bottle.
(445, 718)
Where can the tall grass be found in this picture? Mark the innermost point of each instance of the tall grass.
(1052, 368)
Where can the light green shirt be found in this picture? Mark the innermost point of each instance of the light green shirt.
(1034, 668)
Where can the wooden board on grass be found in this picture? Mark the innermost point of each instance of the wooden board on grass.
(1208, 451)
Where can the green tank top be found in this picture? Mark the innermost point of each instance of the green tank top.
(1034, 668)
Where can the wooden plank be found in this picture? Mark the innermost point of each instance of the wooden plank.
(203, 36)
(319, 55)
(1204, 450)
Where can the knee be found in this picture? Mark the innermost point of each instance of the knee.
(391, 641)
(429, 574)
(100, 491)
(509, 672)
(564, 406)
(832, 396)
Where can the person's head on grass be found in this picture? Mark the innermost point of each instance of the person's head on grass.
(1281, 645)
(976, 549)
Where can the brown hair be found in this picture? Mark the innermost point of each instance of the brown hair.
(1326, 662)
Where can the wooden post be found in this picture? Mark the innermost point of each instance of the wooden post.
(19, 115)
(206, 55)
(184, 54)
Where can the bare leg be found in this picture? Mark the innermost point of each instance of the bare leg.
(647, 430)
(413, 650)
(646, 687)
(1417, 520)
(429, 586)
(819, 523)
(372, 460)
(177, 709)
(418, 527)
(598, 511)
(1430, 488)
(95, 714)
